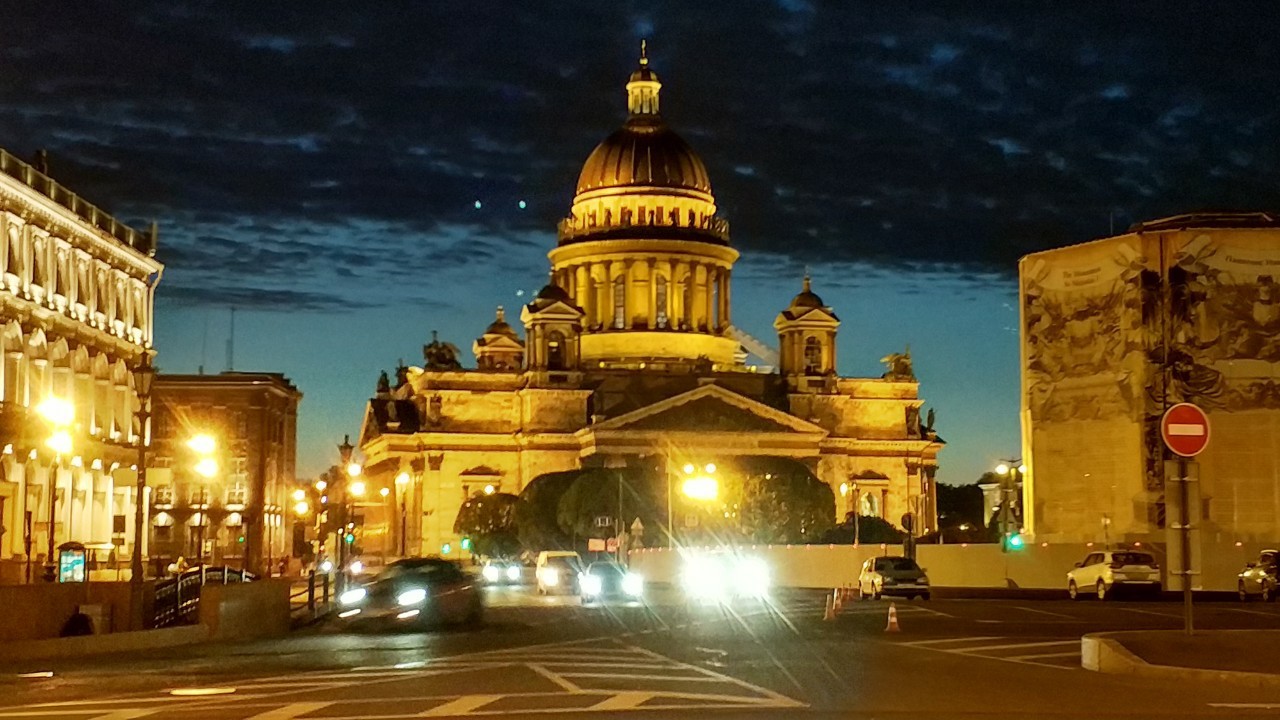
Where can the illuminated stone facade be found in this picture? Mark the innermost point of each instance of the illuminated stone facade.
(1185, 309)
(253, 419)
(629, 352)
(76, 298)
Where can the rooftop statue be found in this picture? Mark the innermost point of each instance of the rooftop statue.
(899, 365)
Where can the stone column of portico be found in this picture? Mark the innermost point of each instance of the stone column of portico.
(581, 286)
(725, 293)
(679, 276)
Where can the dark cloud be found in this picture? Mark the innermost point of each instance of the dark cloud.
(326, 147)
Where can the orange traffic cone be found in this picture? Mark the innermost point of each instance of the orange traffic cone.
(893, 619)
(830, 612)
(837, 599)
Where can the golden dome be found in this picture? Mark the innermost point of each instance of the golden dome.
(644, 152)
(807, 297)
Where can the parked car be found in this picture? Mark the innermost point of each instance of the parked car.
(557, 571)
(609, 580)
(1260, 578)
(502, 572)
(897, 576)
(414, 592)
(1109, 571)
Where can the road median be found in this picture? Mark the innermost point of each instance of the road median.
(1244, 658)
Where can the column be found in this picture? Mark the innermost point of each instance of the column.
(698, 275)
(679, 271)
(724, 293)
(581, 286)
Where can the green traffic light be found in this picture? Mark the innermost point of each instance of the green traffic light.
(1015, 541)
(240, 539)
(466, 543)
(350, 538)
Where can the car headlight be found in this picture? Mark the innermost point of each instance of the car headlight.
(356, 567)
(411, 597)
(513, 573)
(550, 576)
(632, 584)
(703, 577)
(352, 596)
(591, 585)
(490, 573)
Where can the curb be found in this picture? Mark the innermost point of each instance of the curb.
(76, 647)
(1102, 652)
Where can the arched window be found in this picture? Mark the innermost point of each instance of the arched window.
(15, 253)
(660, 312)
(812, 356)
(619, 303)
(870, 505)
(555, 350)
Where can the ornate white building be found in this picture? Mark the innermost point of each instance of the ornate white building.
(629, 356)
(76, 297)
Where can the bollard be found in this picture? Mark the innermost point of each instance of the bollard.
(829, 612)
(326, 592)
(311, 593)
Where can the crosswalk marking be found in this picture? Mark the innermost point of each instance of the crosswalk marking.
(964, 646)
(622, 701)
(461, 706)
(290, 711)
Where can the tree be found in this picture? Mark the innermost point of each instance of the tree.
(620, 494)
(865, 530)
(489, 520)
(960, 505)
(535, 514)
(774, 500)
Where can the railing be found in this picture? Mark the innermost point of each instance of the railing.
(573, 229)
(50, 188)
(312, 601)
(178, 598)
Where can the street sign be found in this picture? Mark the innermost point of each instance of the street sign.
(611, 545)
(603, 521)
(637, 527)
(595, 545)
(1185, 429)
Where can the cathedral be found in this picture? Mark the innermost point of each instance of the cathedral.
(629, 352)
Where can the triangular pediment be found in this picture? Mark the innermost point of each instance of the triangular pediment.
(709, 408)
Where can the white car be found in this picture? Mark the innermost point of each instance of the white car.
(1108, 571)
(898, 576)
(557, 571)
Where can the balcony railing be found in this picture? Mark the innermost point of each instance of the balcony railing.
(572, 229)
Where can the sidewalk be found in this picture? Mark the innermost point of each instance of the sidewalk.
(1244, 657)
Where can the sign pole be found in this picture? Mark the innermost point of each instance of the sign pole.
(1185, 482)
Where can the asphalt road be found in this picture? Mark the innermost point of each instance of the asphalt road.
(549, 656)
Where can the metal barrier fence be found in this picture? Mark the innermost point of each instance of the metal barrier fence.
(313, 601)
(177, 599)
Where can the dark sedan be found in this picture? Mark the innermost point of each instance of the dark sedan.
(609, 580)
(414, 592)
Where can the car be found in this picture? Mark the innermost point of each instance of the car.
(414, 592)
(609, 580)
(557, 571)
(896, 576)
(1260, 578)
(502, 572)
(721, 577)
(1109, 571)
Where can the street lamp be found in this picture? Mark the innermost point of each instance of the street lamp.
(206, 466)
(696, 486)
(402, 489)
(354, 488)
(59, 414)
(143, 375)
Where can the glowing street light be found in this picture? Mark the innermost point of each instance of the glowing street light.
(203, 444)
(357, 488)
(402, 479)
(384, 491)
(321, 485)
(299, 494)
(59, 442)
(58, 412)
(207, 467)
(489, 489)
(353, 469)
(701, 488)
(302, 508)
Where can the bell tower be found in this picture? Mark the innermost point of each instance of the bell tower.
(553, 329)
(806, 338)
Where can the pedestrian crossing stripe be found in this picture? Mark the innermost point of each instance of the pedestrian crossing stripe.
(1042, 653)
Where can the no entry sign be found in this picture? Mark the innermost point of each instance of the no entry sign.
(1185, 429)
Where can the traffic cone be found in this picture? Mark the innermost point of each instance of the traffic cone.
(829, 613)
(893, 619)
(837, 599)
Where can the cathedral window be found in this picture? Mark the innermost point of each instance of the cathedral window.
(812, 356)
(660, 312)
(555, 350)
(619, 303)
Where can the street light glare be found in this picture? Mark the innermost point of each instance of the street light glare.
(357, 488)
(1002, 469)
(60, 442)
(1022, 469)
(203, 444)
(711, 468)
(402, 479)
(299, 494)
(701, 488)
(384, 491)
(57, 411)
(353, 469)
(302, 508)
(688, 469)
(207, 467)
(489, 489)
(321, 485)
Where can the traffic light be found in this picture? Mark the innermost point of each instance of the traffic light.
(466, 543)
(350, 538)
(1015, 541)
(444, 549)
(240, 539)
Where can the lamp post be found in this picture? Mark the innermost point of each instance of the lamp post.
(402, 489)
(353, 488)
(701, 486)
(142, 377)
(1009, 476)
(59, 414)
(206, 467)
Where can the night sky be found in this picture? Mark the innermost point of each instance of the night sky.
(318, 165)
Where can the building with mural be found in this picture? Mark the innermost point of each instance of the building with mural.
(1184, 309)
(629, 355)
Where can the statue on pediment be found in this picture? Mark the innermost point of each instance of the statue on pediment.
(440, 355)
(384, 384)
(899, 366)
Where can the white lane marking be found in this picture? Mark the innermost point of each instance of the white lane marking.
(1041, 656)
(1046, 612)
(125, 714)
(291, 711)
(984, 648)
(772, 695)
(622, 701)
(980, 638)
(664, 678)
(1263, 613)
(1247, 706)
(462, 706)
(1166, 616)
(555, 678)
(977, 650)
(1189, 429)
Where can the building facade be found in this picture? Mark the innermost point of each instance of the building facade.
(233, 509)
(77, 291)
(1185, 309)
(629, 355)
